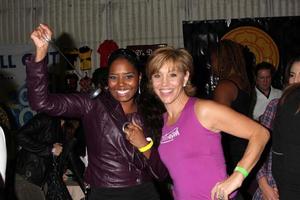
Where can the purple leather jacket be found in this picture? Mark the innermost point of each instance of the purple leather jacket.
(113, 161)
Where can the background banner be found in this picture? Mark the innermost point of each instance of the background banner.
(13, 76)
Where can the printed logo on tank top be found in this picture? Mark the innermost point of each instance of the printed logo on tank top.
(170, 136)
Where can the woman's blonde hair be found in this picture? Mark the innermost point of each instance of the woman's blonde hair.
(181, 60)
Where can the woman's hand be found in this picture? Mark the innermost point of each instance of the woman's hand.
(223, 189)
(135, 135)
(41, 37)
(57, 149)
(269, 193)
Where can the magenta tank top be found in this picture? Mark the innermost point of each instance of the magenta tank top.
(193, 155)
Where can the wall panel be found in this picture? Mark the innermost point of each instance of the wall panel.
(128, 22)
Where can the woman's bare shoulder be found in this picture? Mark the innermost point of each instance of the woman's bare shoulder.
(204, 110)
(204, 107)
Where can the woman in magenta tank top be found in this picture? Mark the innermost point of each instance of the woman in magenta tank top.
(185, 143)
(190, 145)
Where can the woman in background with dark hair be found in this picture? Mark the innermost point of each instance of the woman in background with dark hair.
(267, 186)
(286, 144)
(232, 90)
(116, 169)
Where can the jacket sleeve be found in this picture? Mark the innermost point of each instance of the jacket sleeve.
(267, 118)
(153, 164)
(136, 158)
(156, 166)
(27, 136)
(68, 105)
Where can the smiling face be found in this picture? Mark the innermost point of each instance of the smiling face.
(168, 83)
(264, 80)
(123, 80)
(294, 76)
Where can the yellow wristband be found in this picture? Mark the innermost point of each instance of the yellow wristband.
(242, 170)
(148, 146)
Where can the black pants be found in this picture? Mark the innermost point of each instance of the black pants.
(145, 191)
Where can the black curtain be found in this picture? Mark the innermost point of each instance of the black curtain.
(201, 36)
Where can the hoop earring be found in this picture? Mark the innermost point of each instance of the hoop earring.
(139, 90)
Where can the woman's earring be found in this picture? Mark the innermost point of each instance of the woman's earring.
(139, 90)
(184, 85)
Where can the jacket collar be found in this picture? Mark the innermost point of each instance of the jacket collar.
(114, 108)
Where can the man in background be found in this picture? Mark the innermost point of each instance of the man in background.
(264, 92)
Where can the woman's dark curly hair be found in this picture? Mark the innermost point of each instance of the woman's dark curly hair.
(151, 110)
(126, 54)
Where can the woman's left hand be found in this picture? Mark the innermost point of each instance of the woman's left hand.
(223, 189)
(135, 135)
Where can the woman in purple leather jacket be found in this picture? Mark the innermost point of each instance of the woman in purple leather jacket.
(116, 169)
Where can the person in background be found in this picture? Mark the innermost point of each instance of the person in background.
(3, 157)
(99, 78)
(267, 186)
(9, 126)
(116, 169)
(232, 90)
(39, 140)
(191, 144)
(71, 83)
(70, 164)
(264, 92)
(286, 144)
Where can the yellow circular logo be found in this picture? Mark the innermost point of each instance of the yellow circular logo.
(258, 41)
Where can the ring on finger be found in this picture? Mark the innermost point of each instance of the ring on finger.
(221, 196)
(124, 127)
(46, 39)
